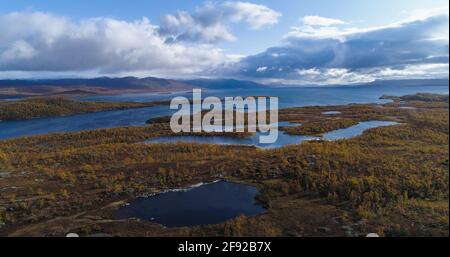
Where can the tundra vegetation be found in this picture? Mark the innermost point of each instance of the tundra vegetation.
(393, 181)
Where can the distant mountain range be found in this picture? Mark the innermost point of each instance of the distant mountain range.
(106, 85)
(102, 85)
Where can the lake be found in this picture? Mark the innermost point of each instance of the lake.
(288, 97)
(284, 139)
(79, 122)
(296, 97)
(207, 204)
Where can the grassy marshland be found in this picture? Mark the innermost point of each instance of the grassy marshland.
(392, 180)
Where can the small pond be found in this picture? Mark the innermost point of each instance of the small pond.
(206, 204)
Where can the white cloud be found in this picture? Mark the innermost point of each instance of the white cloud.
(414, 71)
(336, 73)
(308, 72)
(330, 76)
(318, 27)
(327, 30)
(19, 50)
(42, 26)
(320, 21)
(209, 23)
(423, 14)
(261, 69)
(257, 16)
(182, 26)
(36, 41)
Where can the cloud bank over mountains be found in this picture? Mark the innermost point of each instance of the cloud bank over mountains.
(318, 50)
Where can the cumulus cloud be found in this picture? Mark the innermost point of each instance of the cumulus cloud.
(415, 47)
(320, 21)
(19, 50)
(208, 24)
(180, 45)
(257, 16)
(36, 41)
(183, 26)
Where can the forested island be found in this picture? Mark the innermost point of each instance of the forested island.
(393, 181)
(31, 108)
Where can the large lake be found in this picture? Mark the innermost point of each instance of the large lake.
(288, 97)
(207, 204)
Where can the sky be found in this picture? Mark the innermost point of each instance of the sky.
(282, 42)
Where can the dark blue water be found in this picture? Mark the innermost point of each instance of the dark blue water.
(283, 138)
(288, 97)
(89, 121)
(207, 204)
